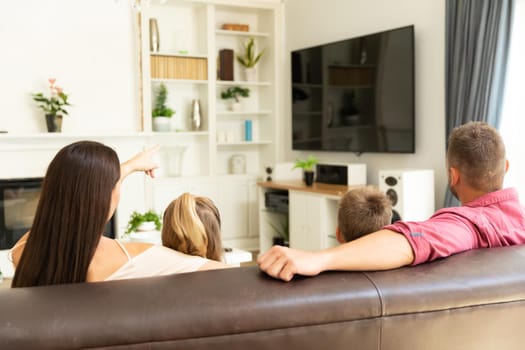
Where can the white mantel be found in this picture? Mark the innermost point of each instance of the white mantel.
(28, 155)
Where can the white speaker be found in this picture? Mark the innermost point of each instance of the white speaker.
(283, 171)
(411, 192)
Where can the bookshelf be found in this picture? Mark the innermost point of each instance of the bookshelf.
(191, 35)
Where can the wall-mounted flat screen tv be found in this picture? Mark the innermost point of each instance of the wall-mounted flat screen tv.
(355, 95)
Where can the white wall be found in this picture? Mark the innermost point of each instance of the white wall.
(314, 22)
(88, 46)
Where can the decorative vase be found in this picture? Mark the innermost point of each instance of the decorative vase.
(154, 39)
(146, 226)
(162, 124)
(250, 74)
(308, 178)
(54, 122)
(247, 130)
(235, 106)
(175, 160)
(195, 115)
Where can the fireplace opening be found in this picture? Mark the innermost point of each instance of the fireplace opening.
(18, 202)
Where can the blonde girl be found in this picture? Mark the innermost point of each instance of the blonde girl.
(192, 225)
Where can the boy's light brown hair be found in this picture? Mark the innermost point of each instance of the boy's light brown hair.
(363, 210)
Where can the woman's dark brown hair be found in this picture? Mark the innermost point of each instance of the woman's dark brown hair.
(73, 209)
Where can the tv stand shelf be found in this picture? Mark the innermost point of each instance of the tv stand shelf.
(298, 185)
(311, 218)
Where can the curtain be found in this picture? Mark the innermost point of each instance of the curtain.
(477, 43)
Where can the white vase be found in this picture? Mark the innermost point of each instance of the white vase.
(235, 106)
(175, 159)
(250, 74)
(162, 124)
(146, 226)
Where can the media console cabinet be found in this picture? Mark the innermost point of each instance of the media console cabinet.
(310, 216)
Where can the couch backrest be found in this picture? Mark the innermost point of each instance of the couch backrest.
(474, 300)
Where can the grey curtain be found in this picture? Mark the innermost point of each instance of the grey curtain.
(477, 43)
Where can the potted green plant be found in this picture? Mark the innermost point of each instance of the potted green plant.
(147, 221)
(308, 168)
(161, 113)
(53, 106)
(248, 59)
(234, 93)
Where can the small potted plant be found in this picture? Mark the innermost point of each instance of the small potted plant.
(142, 222)
(234, 93)
(53, 106)
(161, 113)
(248, 59)
(308, 168)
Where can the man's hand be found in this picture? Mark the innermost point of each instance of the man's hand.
(284, 263)
(381, 250)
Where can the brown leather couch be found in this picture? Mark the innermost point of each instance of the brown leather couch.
(474, 300)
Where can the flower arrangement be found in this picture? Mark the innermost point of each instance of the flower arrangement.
(54, 104)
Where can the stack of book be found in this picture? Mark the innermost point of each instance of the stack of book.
(178, 67)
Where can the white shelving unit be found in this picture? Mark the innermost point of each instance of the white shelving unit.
(193, 30)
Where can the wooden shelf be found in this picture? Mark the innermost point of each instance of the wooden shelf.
(178, 81)
(240, 33)
(177, 54)
(244, 143)
(299, 185)
(246, 83)
(242, 113)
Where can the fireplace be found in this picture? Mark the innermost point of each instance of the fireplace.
(18, 202)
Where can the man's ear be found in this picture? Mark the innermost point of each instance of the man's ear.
(453, 176)
(339, 236)
(506, 165)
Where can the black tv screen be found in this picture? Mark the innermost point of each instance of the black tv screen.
(355, 95)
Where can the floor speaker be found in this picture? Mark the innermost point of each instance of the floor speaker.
(411, 192)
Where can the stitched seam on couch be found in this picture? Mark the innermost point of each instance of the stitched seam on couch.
(380, 297)
(453, 308)
(275, 330)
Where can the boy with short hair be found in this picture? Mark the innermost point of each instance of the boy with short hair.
(362, 210)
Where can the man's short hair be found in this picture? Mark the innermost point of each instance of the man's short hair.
(477, 150)
(363, 210)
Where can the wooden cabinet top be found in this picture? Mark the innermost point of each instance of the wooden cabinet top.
(299, 185)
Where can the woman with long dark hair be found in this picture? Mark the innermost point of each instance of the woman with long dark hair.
(80, 193)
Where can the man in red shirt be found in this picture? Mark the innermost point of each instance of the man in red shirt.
(488, 217)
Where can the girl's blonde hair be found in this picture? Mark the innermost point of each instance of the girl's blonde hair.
(192, 225)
